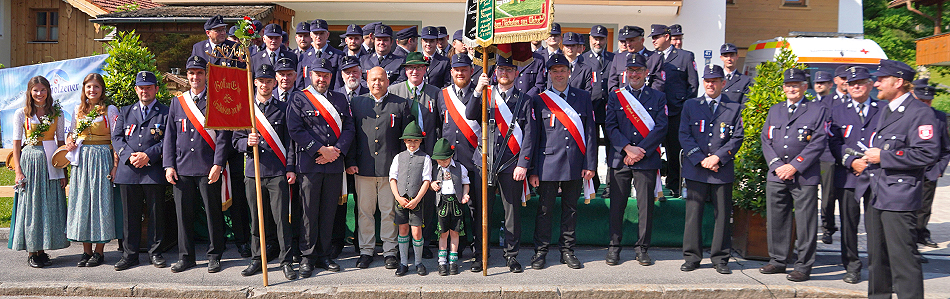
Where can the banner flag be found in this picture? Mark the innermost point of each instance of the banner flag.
(508, 21)
(227, 99)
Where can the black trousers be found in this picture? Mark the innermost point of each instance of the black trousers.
(134, 200)
(570, 194)
(475, 209)
(645, 182)
(240, 215)
(189, 190)
(339, 226)
(892, 266)
(849, 205)
(828, 197)
(923, 214)
(295, 210)
(510, 191)
(319, 195)
(673, 148)
(275, 196)
(721, 197)
(781, 198)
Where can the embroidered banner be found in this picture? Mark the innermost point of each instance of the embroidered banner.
(228, 106)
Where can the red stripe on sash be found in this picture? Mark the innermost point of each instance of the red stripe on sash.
(566, 121)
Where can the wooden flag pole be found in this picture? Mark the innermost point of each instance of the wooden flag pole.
(257, 171)
(485, 167)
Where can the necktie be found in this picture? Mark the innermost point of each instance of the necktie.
(504, 96)
(712, 106)
(273, 58)
(561, 94)
(379, 60)
(887, 112)
(283, 97)
(861, 112)
(349, 95)
(144, 112)
(791, 109)
(600, 59)
(262, 106)
(635, 93)
(662, 56)
(319, 52)
(729, 77)
(459, 92)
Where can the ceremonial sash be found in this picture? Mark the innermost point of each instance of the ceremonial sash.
(456, 109)
(504, 117)
(197, 119)
(567, 116)
(332, 117)
(642, 121)
(270, 135)
(327, 110)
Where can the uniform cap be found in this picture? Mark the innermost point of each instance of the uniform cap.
(658, 29)
(407, 33)
(555, 29)
(321, 65)
(557, 59)
(793, 75)
(383, 31)
(504, 61)
(856, 73)
(713, 71)
(215, 22)
(896, 69)
(457, 35)
(264, 71)
(823, 76)
(430, 32)
(676, 29)
(145, 78)
(630, 32)
(273, 30)
(728, 48)
(842, 71)
(636, 60)
(461, 59)
(443, 32)
(598, 31)
(348, 62)
(196, 62)
(303, 27)
(285, 64)
(571, 38)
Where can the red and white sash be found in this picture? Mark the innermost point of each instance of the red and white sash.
(197, 119)
(567, 116)
(504, 117)
(332, 117)
(270, 135)
(642, 121)
(327, 110)
(456, 110)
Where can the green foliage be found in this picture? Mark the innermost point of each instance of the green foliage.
(173, 49)
(942, 102)
(897, 29)
(127, 57)
(128, 7)
(751, 168)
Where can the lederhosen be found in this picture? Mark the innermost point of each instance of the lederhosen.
(448, 206)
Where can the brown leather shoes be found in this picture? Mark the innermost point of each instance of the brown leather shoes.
(771, 269)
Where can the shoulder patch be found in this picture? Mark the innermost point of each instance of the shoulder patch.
(925, 132)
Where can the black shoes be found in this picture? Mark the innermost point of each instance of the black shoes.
(443, 269)
(771, 269)
(214, 265)
(43, 259)
(183, 265)
(402, 270)
(328, 264)
(335, 250)
(723, 269)
(244, 249)
(158, 261)
(253, 268)
(477, 264)
(613, 256)
(513, 265)
(364, 261)
(826, 238)
(797, 276)
(289, 272)
(454, 268)
(306, 268)
(126, 263)
(644, 259)
(538, 260)
(35, 261)
(421, 270)
(95, 260)
(392, 263)
(852, 277)
(928, 242)
(571, 260)
(688, 266)
(83, 260)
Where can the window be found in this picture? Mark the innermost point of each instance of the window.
(47, 25)
(794, 3)
(730, 1)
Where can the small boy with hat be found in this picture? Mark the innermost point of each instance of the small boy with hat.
(409, 178)
(448, 177)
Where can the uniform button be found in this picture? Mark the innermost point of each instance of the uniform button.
(140, 144)
(709, 144)
(192, 149)
(192, 139)
(565, 129)
(786, 157)
(786, 146)
(786, 137)
(565, 138)
(377, 140)
(376, 153)
(634, 133)
(567, 146)
(892, 137)
(710, 134)
(900, 180)
(140, 136)
(192, 130)
(872, 174)
(377, 128)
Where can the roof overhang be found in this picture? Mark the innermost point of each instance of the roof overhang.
(676, 3)
(186, 14)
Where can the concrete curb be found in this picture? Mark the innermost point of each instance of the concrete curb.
(4, 233)
(420, 291)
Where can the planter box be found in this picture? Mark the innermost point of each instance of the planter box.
(750, 238)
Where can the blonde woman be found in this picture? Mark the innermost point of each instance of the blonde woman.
(91, 214)
(40, 219)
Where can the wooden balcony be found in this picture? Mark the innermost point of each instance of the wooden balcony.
(934, 50)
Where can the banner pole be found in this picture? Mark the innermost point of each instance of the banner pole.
(257, 172)
(485, 166)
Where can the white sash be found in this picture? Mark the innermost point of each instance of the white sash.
(638, 109)
(570, 112)
(191, 106)
(269, 130)
(506, 118)
(457, 104)
(226, 175)
(323, 101)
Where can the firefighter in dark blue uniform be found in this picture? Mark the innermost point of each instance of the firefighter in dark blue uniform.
(830, 193)
(272, 49)
(672, 71)
(793, 137)
(138, 137)
(582, 76)
(924, 92)
(904, 145)
(217, 43)
(632, 37)
(737, 84)
(851, 126)
(633, 155)
(564, 156)
(319, 32)
(383, 55)
(711, 133)
(194, 166)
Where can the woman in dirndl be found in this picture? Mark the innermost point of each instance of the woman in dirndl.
(39, 220)
(91, 214)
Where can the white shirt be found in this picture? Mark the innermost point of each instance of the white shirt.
(380, 99)
(447, 186)
(897, 103)
(717, 99)
(426, 168)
